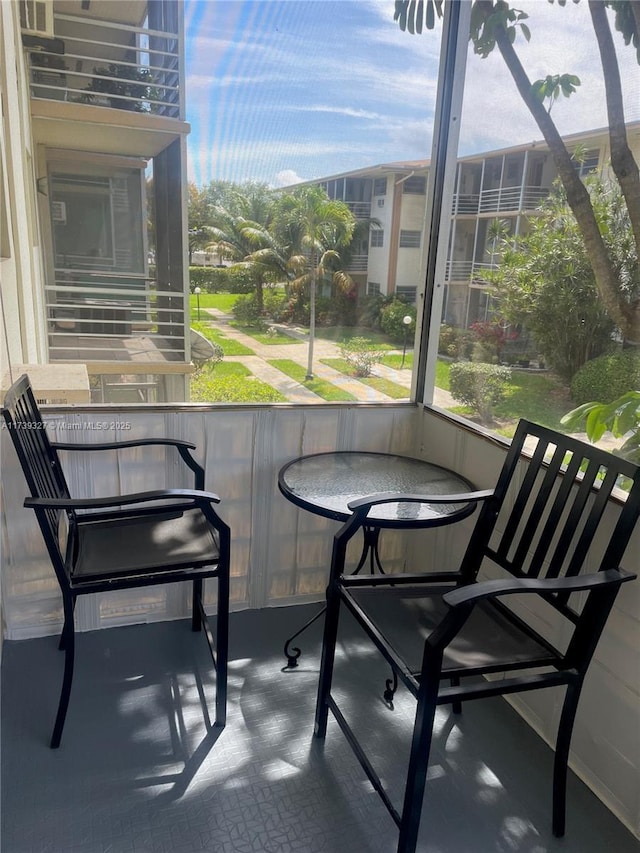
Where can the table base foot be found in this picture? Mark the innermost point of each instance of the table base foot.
(292, 653)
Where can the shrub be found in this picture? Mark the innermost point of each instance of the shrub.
(275, 305)
(620, 417)
(455, 342)
(607, 377)
(391, 318)
(247, 313)
(221, 279)
(369, 310)
(479, 386)
(360, 355)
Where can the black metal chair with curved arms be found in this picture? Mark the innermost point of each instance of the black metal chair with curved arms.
(436, 629)
(124, 541)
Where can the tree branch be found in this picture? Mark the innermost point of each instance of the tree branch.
(626, 316)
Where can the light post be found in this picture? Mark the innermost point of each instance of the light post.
(407, 320)
(197, 291)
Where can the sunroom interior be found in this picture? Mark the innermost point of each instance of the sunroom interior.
(141, 767)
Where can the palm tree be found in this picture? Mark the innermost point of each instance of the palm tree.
(317, 228)
(240, 226)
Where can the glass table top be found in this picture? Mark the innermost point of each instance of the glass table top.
(325, 483)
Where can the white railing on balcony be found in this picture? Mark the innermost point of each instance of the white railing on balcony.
(112, 317)
(468, 271)
(107, 64)
(511, 198)
(358, 263)
(360, 209)
(465, 203)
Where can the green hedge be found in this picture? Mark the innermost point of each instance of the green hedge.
(220, 279)
(607, 377)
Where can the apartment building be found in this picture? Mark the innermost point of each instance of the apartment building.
(92, 148)
(495, 194)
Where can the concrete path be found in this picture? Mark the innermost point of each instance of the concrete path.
(297, 351)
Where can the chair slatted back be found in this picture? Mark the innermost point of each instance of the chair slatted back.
(543, 522)
(38, 459)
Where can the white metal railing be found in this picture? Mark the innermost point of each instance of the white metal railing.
(358, 263)
(466, 203)
(511, 198)
(109, 64)
(104, 316)
(360, 209)
(468, 271)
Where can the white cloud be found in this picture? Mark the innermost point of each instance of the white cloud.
(287, 177)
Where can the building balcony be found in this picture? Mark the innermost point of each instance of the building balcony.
(467, 271)
(360, 209)
(503, 199)
(358, 263)
(111, 322)
(109, 85)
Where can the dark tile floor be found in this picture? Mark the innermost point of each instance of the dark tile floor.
(138, 769)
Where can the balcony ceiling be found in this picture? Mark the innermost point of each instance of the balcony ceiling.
(132, 12)
(84, 127)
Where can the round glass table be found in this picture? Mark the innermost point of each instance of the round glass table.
(325, 483)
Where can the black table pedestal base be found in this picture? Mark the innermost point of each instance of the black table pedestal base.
(370, 552)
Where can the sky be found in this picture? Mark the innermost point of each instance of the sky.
(283, 91)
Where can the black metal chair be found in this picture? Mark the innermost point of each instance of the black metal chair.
(121, 542)
(539, 528)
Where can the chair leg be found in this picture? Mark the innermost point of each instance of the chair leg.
(326, 663)
(68, 643)
(196, 619)
(61, 643)
(561, 760)
(456, 706)
(222, 648)
(418, 763)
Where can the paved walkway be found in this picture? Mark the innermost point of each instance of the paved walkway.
(297, 351)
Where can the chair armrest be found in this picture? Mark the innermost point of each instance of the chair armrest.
(398, 497)
(118, 445)
(183, 448)
(197, 497)
(469, 595)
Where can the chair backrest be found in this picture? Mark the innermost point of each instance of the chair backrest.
(39, 461)
(544, 516)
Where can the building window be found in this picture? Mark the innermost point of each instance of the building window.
(410, 239)
(416, 184)
(373, 288)
(587, 163)
(377, 238)
(407, 293)
(380, 186)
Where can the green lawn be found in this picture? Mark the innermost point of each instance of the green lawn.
(263, 337)
(323, 389)
(385, 386)
(395, 360)
(346, 333)
(231, 382)
(222, 301)
(229, 345)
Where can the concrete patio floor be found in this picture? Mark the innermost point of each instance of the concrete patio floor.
(140, 770)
